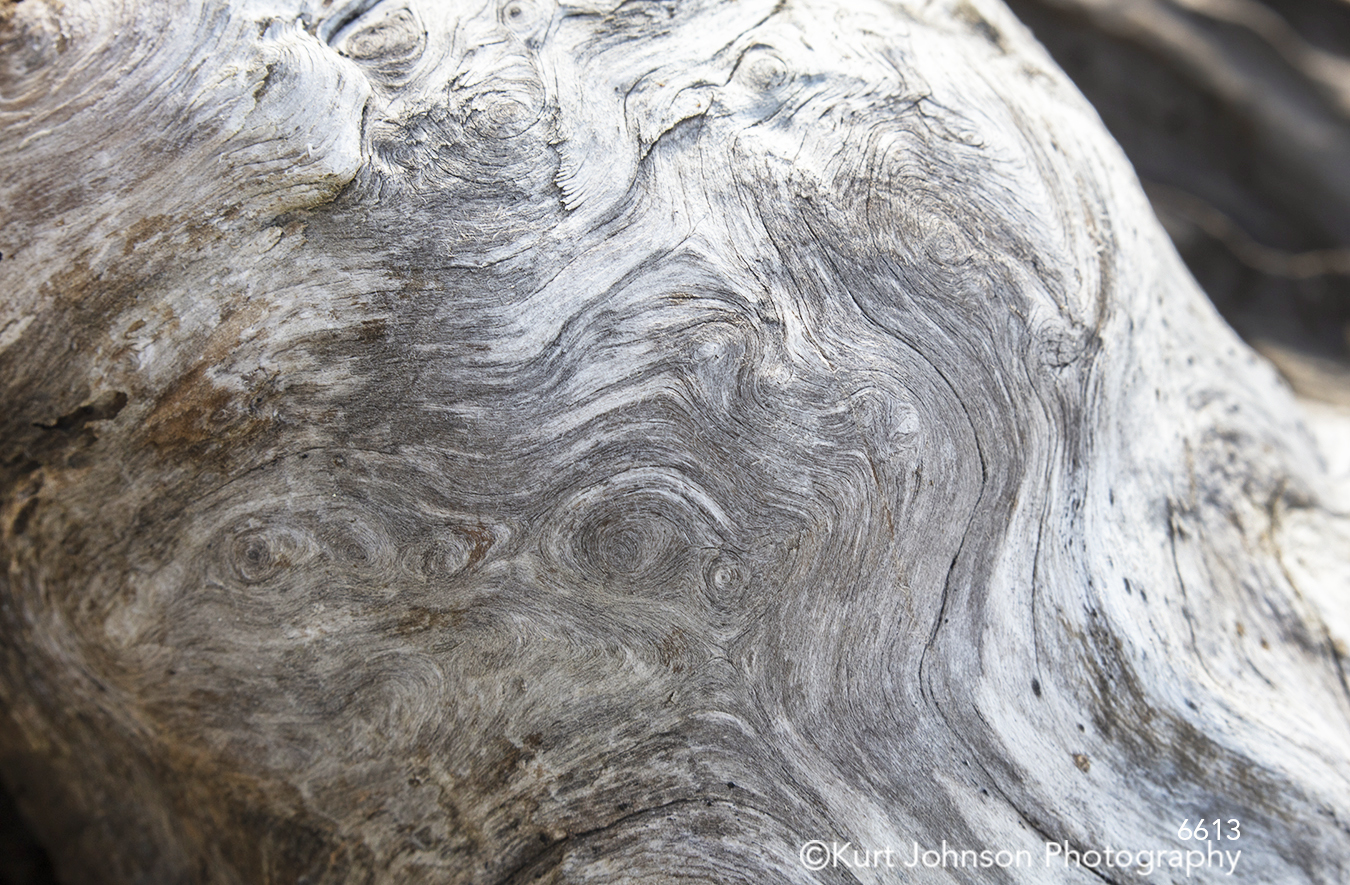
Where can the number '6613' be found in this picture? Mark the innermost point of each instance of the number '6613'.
(1207, 830)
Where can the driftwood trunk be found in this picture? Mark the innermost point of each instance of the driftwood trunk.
(615, 442)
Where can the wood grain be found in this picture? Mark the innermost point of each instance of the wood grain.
(622, 442)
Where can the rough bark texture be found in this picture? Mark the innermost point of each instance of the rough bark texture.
(613, 442)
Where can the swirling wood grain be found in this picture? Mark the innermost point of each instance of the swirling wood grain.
(613, 442)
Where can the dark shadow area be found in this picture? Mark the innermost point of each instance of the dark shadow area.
(1236, 116)
(22, 860)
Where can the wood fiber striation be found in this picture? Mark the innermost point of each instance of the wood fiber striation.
(610, 442)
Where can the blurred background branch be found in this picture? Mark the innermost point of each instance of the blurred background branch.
(1236, 115)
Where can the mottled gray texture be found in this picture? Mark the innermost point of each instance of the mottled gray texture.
(621, 442)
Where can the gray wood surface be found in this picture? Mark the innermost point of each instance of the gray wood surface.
(617, 442)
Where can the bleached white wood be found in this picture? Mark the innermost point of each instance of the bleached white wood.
(452, 442)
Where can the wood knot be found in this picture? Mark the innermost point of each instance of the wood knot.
(636, 533)
(527, 19)
(762, 69)
(727, 582)
(387, 41)
(259, 554)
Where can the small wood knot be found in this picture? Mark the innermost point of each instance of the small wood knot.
(259, 555)
(762, 69)
(524, 17)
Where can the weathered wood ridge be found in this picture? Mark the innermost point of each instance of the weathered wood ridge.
(615, 442)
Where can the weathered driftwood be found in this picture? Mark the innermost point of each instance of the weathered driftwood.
(621, 442)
